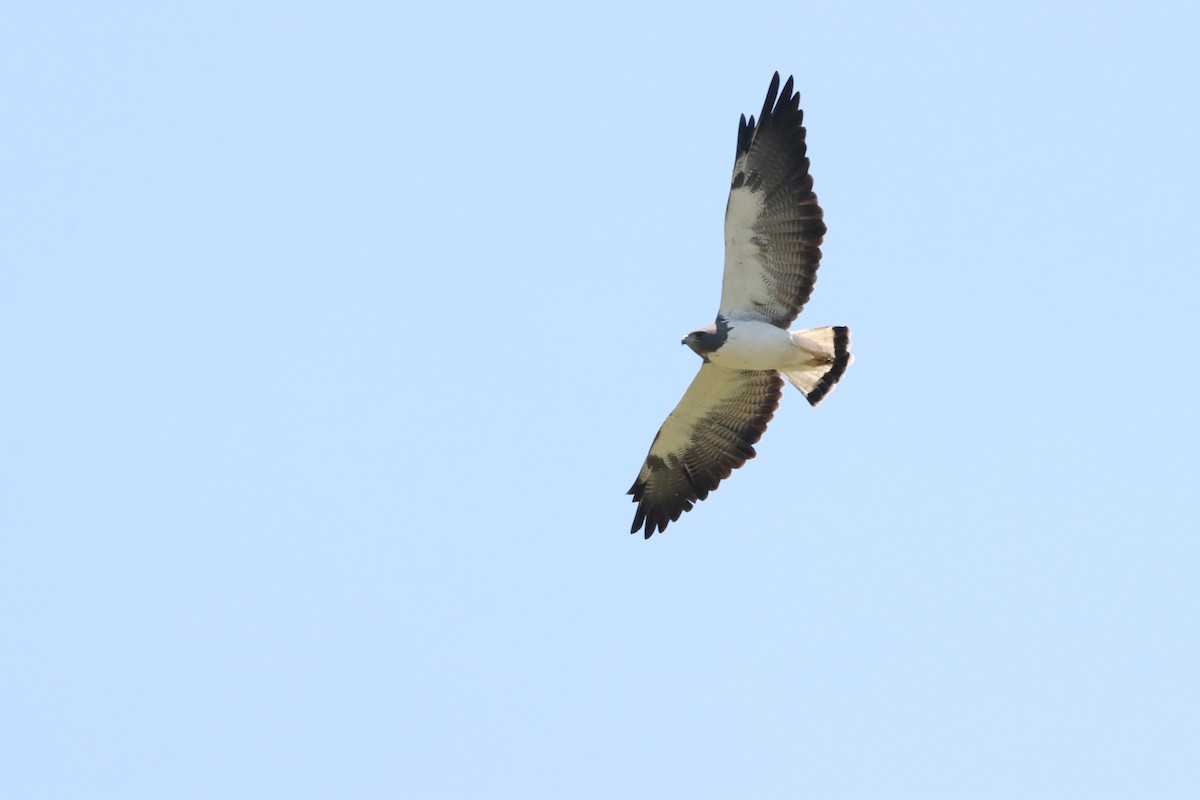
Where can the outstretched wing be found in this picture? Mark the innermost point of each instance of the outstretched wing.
(709, 434)
(773, 224)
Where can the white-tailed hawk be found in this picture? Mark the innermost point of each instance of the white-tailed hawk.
(773, 234)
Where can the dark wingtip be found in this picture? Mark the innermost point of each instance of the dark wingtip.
(647, 525)
(788, 93)
(779, 108)
(772, 94)
(638, 517)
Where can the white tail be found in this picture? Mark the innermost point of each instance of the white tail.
(828, 351)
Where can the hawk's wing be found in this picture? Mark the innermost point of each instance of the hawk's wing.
(773, 225)
(709, 434)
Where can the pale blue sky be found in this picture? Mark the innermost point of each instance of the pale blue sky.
(334, 335)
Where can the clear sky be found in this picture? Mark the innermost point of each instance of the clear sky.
(331, 337)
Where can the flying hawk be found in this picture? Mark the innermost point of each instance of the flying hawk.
(773, 234)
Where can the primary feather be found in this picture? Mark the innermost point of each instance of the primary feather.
(773, 233)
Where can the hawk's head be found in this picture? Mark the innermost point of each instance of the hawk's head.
(707, 340)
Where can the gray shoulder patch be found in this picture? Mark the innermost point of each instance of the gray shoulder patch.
(720, 331)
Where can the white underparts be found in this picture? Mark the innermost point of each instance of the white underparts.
(812, 360)
(759, 345)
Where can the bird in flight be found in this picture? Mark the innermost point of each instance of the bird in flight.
(773, 234)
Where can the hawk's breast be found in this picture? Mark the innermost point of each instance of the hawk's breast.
(755, 345)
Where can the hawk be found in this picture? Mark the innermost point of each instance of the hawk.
(773, 233)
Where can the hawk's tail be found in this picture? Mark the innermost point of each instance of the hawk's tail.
(828, 351)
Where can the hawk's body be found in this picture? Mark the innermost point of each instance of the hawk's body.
(751, 344)
(773, 232)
